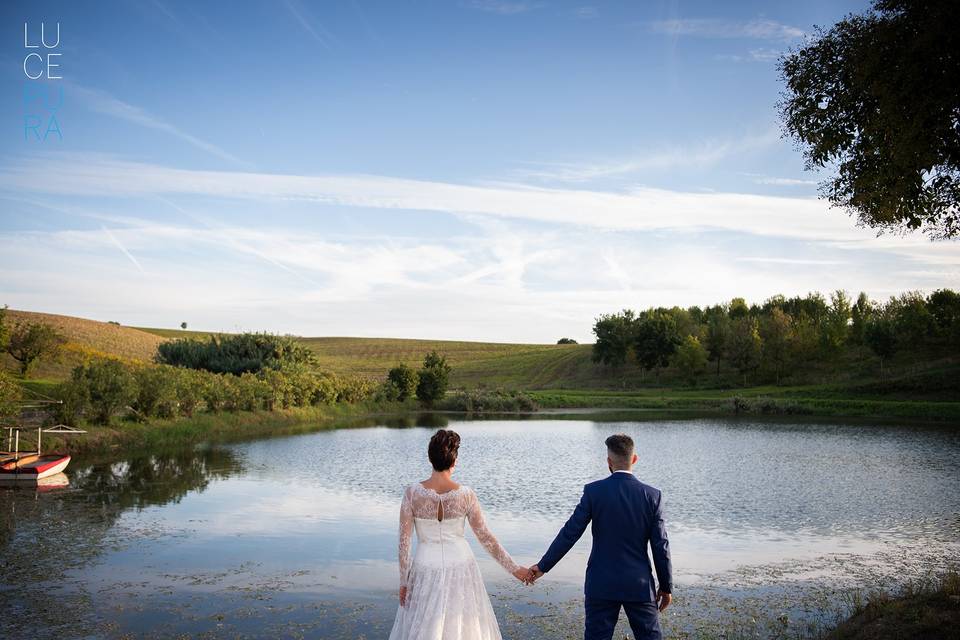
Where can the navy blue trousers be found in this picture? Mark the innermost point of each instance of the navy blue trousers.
(602, 619)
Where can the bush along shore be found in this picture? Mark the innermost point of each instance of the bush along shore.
(244, 385)
(926, 611)
(237, 386)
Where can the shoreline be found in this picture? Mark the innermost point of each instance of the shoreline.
(225, 427)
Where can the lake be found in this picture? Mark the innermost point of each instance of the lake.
(774, 527)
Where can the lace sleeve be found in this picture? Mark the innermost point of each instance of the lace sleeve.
(486, 537)
(406, 532)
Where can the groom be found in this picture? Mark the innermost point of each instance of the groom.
(626, 516)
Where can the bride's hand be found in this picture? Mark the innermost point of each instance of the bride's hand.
(523, 575)
(403, 596)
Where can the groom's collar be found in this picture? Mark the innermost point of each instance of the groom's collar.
(627, 471)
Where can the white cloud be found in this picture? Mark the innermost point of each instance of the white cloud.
(758, 29)
(780, 182)
(639, 209)
(753, 55)
(502, 7)
(708, 153)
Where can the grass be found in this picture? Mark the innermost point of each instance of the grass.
(927, 611)
(158, 435)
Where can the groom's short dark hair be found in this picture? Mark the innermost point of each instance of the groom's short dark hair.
(620, 447)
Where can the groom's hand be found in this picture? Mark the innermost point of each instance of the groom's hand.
(523, 575)
(403, 596)
(535, 573)
(663, 600)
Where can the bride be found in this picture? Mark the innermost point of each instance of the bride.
(442, 596)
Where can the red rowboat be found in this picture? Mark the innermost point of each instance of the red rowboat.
(30, 468)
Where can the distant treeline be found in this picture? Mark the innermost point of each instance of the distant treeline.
(780, 335)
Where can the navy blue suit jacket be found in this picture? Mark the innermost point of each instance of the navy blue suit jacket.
(626, 518)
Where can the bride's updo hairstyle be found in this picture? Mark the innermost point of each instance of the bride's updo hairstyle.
(443, 449)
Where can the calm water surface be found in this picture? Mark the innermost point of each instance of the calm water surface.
(772, 526)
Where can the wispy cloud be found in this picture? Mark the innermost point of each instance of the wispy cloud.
(753, 55)
(780, 182)
(707, 153)
(791, 261)
(504, 8)
(312, 27)
(104, 103)
(759, 29)
(639, 209)
(585, 12)
(122, 248)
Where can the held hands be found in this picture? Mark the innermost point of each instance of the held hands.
(528, 576)
(523, 575)
(403, 596)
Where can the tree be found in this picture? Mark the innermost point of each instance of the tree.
(738, 309)
(183, 325)
(101, 388)
(836, 323)
(718, 327)
(615, 336)
(860, 314)
(566, 341)
(876, 96)
(881, 337)
(434, 378)
(691, 358)
(744, 346)
(403, 380)
(655, 339)
(944, 306)
(29, 342)
(914, 323)
(776, 331)
(10, 395)
(4, 329)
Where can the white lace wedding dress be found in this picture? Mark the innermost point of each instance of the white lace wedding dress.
(446, 599)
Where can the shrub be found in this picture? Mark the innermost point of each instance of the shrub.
(99, 389)
(215, 393)
(190, 389)
(434, 379)
(280, 389)
(355, 389)
(236, 354)
(326, 389)
(404, 381)
(485, 401)
(10, 395)
(156, 392)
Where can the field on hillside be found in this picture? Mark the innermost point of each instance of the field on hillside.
(474, 363)
(932, 377)
(85, 338)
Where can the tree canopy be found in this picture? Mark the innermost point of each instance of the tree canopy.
(877, 98)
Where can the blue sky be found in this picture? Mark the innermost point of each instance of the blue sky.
(479, 169)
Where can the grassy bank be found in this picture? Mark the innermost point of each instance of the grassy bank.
(755, 400)
(920, 612)
(130, 436)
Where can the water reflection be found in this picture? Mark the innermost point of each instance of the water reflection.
(45, 534)
(297, 535)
